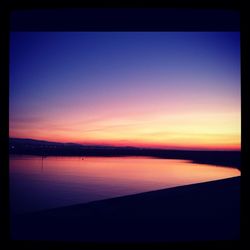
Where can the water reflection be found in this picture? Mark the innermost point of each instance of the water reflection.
(39, 183)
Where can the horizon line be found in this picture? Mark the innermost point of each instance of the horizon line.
(180, 148)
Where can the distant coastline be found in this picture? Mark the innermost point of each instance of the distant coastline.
(44, 148)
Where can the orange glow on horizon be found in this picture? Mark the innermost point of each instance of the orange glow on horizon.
(187, 146)
(218, 131)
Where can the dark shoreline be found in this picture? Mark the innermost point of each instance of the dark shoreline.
(204, 211)
(43, 148)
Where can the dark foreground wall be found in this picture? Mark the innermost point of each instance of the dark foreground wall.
(206, 211)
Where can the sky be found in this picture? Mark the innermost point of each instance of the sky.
(146, 89)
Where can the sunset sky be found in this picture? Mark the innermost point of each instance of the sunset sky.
(153, 89)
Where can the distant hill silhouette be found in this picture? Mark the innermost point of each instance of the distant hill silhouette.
(45, 148)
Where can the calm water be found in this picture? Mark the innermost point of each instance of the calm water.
(37, 183)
